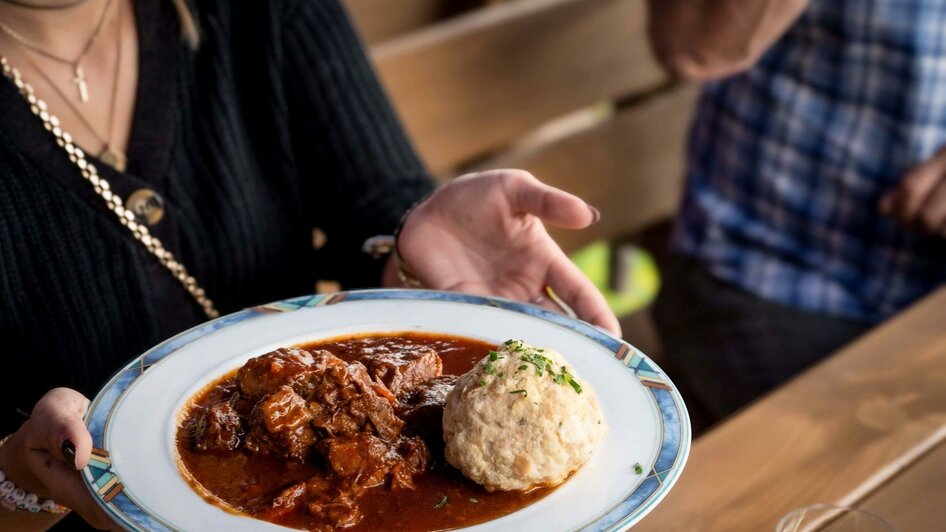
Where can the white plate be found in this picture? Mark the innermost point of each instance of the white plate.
(133, 419)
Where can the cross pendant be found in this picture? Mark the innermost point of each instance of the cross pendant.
(79, 80)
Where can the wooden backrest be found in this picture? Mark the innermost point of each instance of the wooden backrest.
(378, 20)
(472, 87)
(630, 166)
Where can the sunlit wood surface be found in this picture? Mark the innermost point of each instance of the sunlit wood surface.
(866, 426)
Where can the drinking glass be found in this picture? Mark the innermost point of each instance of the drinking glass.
(830, 518)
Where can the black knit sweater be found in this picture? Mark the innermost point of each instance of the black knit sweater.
(274, 126)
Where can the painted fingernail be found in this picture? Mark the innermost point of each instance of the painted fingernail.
(69, 452)
(595, 214)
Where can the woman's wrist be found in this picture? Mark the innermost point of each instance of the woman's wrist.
(405, 273)
(18, 478)
(396, 271)
(14, 466)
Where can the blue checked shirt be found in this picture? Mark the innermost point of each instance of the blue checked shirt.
(787, 162)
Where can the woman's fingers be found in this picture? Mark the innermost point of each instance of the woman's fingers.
(577, 291)
(56, 445)
(528, 195)
(56, 427)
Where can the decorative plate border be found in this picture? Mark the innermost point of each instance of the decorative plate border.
(674, 448)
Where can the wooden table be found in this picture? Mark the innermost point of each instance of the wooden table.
(864, 428)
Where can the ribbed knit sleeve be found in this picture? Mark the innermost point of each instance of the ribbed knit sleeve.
(276, 124)
(345, 134)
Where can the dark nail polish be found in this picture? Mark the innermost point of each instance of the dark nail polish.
(596, 214)
(69, 452)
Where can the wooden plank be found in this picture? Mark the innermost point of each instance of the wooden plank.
(916, 498)
(832, 435)
(629, 167)
(474, 83)
(379, 20)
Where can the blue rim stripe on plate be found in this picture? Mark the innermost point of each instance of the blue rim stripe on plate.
(109, 492)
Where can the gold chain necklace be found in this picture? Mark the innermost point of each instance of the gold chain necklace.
(76, 64)
(108, 154)
(103, 189)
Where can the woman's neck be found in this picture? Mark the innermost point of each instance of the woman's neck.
(63, 31)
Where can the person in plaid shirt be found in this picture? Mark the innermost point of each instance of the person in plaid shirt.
(815, 203)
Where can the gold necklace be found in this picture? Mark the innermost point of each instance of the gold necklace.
(79, 79)
(108, 154)
(104, 190)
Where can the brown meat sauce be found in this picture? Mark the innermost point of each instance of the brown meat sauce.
(340, 433)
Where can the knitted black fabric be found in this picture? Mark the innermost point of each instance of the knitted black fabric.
(274, 126)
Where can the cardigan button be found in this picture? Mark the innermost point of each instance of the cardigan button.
(147, 206)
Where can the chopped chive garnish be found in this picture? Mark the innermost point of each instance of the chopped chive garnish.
(481, 383)
(573, 383)
(493, 356)
(638, 469)
(523, 393)
(442, 503)
(543, 365)
(488, 368)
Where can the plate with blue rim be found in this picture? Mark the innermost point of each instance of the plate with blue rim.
(134, 476)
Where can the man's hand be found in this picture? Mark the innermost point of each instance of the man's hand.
(920, 200)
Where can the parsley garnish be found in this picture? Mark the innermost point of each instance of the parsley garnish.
(442, 503)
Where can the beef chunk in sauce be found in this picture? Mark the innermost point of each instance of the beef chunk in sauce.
(311, 406)
(364, 460)
(346, 402)
(422, 409)
(321, 497)
(401, 370)
(414, 457)
(288, 366)
(219, 429)
(279, 425)
(358, 462)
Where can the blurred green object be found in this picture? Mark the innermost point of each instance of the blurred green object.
(644, 279)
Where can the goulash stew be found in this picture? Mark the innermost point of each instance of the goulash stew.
(342, 433)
